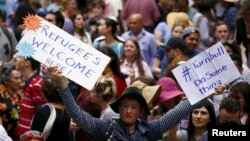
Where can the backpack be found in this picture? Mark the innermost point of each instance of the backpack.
(48, 126)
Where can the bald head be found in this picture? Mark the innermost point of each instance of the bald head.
(137, 17)
(135, 23)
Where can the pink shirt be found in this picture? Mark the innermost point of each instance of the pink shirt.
(147, 8)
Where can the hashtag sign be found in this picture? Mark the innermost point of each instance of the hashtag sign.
(185, 74)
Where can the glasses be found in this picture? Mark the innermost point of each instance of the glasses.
(222, 122)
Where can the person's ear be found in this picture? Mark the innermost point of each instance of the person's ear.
(142, 112)
(27, 62)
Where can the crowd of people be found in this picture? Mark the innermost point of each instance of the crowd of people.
(137, 97)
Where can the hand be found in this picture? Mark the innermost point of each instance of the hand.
(3, 107)
(131, 74)
(73, 126)
(220, 89)
(31, 137)
(58, 74)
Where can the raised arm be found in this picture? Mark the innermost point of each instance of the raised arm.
(82, 118)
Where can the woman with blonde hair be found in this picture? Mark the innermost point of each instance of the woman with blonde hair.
(102, 94)
(178, 17)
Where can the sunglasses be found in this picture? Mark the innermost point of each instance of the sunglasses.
(229, 123)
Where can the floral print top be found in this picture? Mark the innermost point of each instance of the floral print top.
(10, 114)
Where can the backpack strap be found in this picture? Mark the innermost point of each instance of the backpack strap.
(111, 129)
(50, 122)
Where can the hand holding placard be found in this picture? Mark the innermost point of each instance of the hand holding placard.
(52, 46)
(199, 76)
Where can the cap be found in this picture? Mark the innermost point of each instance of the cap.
(175, 43)
(186, 31)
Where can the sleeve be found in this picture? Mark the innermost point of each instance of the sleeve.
(3, 134)
(96, 45)
(92, 125)
(155, 11)
(160, 28)
(152, 50)
(13, 40)
(230, 18)
(125, 13)
(175, 115)
(206, 39)
(10, 7)
(147, 69)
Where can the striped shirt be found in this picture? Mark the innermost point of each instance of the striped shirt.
(32, 98)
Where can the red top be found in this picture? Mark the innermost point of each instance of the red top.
(120, 84)
(32, 98)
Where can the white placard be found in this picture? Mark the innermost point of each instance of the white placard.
(52, 46)
(201, 74)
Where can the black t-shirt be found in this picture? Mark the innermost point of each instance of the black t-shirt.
(60, 128)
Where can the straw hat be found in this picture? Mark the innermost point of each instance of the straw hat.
(150, 93)
(143, 93)
(178, 17)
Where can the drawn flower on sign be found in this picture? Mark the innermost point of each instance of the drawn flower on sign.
(25, 49)
(32, 22)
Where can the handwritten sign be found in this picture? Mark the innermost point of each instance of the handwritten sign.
(52, 46)
(201, 74)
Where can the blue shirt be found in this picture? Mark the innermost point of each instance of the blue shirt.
(165, 30)
(147, 44)
(117, 48)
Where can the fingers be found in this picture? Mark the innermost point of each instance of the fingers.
(53, 70)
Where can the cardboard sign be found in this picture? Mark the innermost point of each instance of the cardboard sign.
(201, 74)
(52, 46)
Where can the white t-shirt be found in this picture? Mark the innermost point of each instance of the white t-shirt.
(112, 8)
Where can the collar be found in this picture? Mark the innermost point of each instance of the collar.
(27, 82)
(141, 126)
(143, 32)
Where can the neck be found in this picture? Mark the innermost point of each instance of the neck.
(103, 104)
(28, 73)
(130, 60)
(198, 132)
(109, 39)
(77, 30)
(137, 33)
(132, 128)
(57, 105)
(10, 90)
